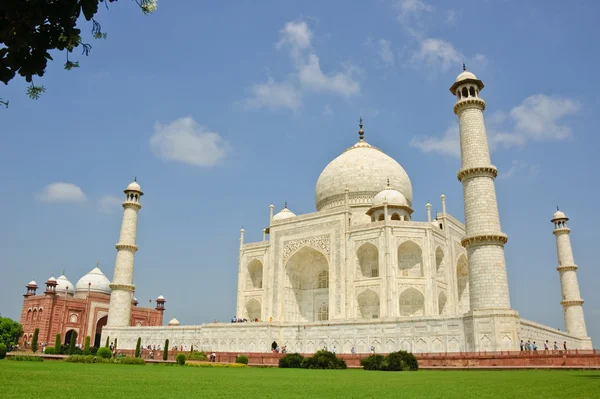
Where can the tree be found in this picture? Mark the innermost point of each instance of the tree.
(166, 351)
(107, 342)
(137, 347)
(73, 342)
(30, 29)
(86, 346)
(34, 340)
(10, 331)
(57, 342)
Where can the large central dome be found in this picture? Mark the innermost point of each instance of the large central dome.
(364, 170)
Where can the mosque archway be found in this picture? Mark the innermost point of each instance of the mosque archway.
(368, 260)
(368, 305)
(306, 287)
(68, 337)
(442, 303)
(99, 325)
(410, 260)
(462, 282)
(254, 278)
(412, 302)
(253, 310)
(439, 260)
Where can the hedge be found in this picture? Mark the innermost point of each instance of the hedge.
(395, 361)
(34, 340)
(104, 352)
(23, 358)
(49, 350)
(324, 360)
(372, 362)
(180, 359)
(97, 359)
(3, 350)
(57, 344)
(217, 365)
(291, 361)
(243, 359)
(197, 356)
(86, 346)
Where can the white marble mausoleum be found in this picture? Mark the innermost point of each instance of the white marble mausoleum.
(361, 272)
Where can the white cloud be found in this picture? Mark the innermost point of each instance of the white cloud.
(307, 76)
(62, 192)
(520, 168)
(412, 7)
(275, 95)
(385, 52)
(447, 144)
(183, 140)
(327, 110)
(451, 17)
(109, 204)
(438, 52)
(537, 118)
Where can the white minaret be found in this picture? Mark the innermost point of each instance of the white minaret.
(571, 298)
(484, 240)
(119, 310)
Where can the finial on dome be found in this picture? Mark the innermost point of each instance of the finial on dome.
(464, 67)
(135, 178)
(361, 132)
(557, 208)
(97, 263)
(285, 206)
(388, 182)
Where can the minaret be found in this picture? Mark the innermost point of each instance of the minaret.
(121, 297)
(484, 240)
(571, 298)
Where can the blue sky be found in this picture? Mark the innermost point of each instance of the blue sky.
(221, 109)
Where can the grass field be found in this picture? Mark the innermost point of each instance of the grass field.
(52, 379)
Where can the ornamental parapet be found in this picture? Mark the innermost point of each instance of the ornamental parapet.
(572, 302)
(561, 230)
(131, 247)
(124, 287)
(477, 171)
(566, 268)
(484, 239)
(132, 204)
(471, 102)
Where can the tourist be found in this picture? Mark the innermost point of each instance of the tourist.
(555, 346)
(353, 351)
(372, 349)
(565, 345)
(546, 346)
(534, 346)
(528, 346)
(522, 345)
(334, 349)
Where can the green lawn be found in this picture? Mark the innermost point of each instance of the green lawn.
(52, 379)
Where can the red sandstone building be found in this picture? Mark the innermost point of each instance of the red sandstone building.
(64, 308)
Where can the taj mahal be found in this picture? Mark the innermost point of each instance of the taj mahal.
(362, 272)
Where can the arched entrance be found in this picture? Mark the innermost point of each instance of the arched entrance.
(253, 310)
(306, 292)
(68, 337)
(368, 305)
(99, 325)
(462, 282)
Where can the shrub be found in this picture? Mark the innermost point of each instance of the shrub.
(104, 352)
(197, 356)
(24, 358)
(73, 342)
(34, 340)
(80, 359)
(372, 362)
(217, 365)
(86, 346)
(93, 350)
(400, 361)
(166, 351)
(137, 347)
(191, 348)
(291, 361)
(49, 350)
(57, 345)
(243, 359)
(130, 360)
(115, 346)
(324, 360)
(107, 342)
(94, 359)
(3, 351)
(180, 359)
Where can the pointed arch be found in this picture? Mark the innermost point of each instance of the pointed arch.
(442, 302)
(253, 310)
(439, 260)
(34, 316)
(368, 305)
(412, 302)
(410, 259)
(306, 285)
(368, 260)
(462, 282)
(254, 277)
(29, 314)
(395, 216)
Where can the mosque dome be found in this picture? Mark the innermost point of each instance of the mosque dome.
(99, 282)
(559, 215)
(464, 75)
(51, 280)
(32, 283)
(160, 298)
(285, 213)
(64, 285)
(134, 186)
(174, 322)
(363, 170)
(391, 196)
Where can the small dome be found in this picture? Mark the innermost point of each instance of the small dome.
(134, 186)
(64, 285)
(391, 196)
(466, 75)
(160, 298)
(32, 283)
(99, 282)
(51, 280)
(559, 215)
(285, 213)
(174, 322)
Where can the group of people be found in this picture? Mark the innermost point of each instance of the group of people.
(528, 346)
(244, 320)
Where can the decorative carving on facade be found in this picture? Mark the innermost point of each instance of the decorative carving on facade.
(458, 250)
(416, 240)
(320, 243)
(485, 239)
(479, 171)
(418, 287)
(373, 287)
(359, 243)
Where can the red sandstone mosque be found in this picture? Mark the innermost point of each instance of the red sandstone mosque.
(64, 308)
